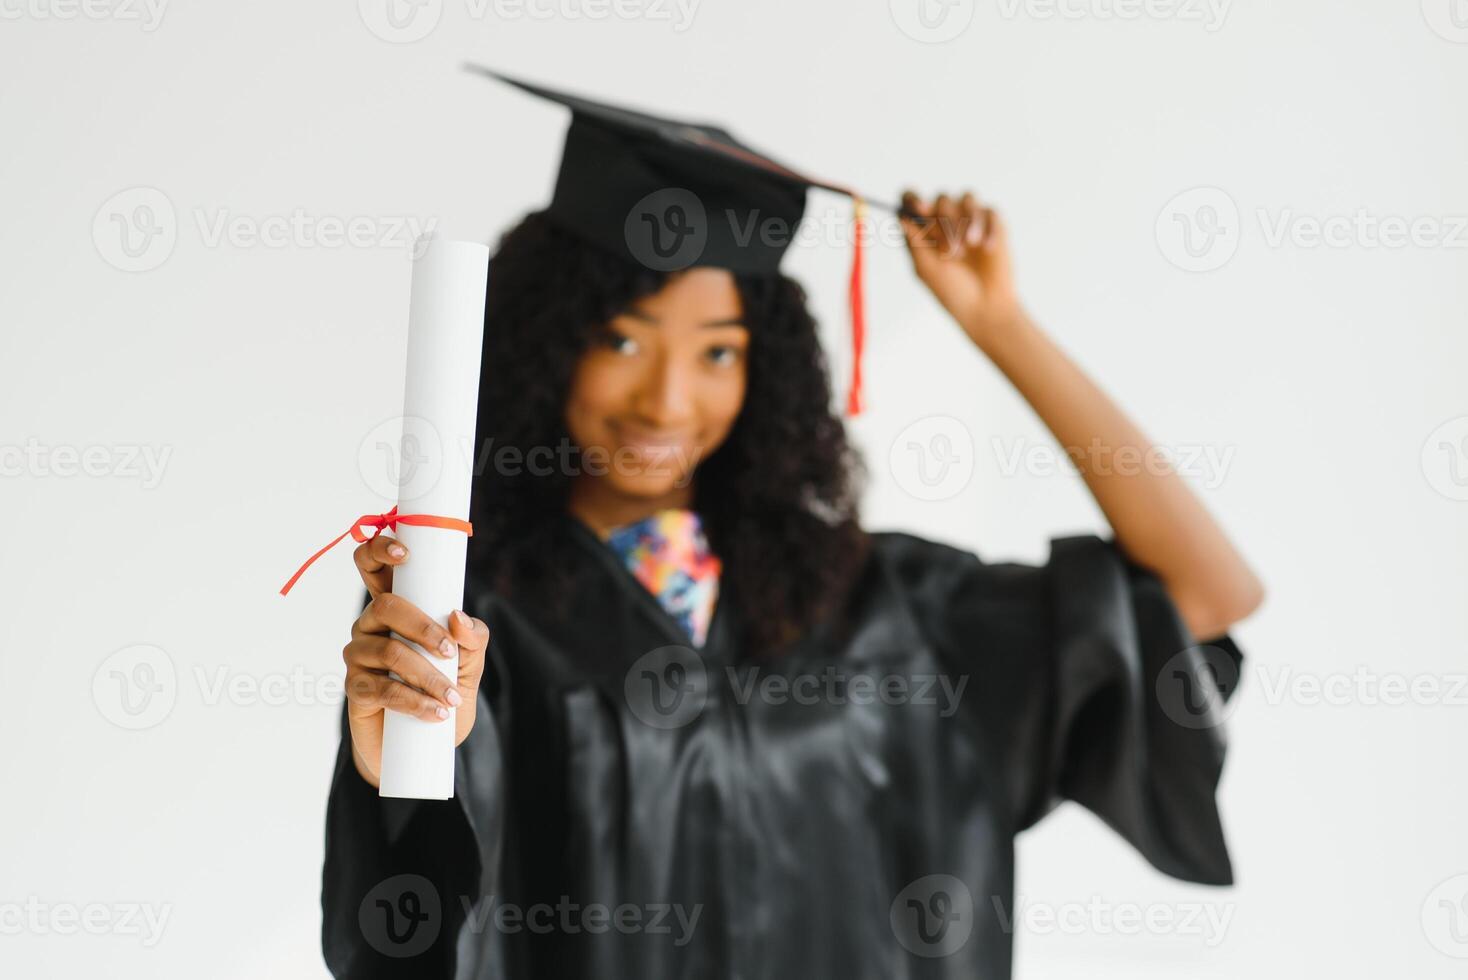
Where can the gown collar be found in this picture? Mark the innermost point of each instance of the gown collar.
(665, 565)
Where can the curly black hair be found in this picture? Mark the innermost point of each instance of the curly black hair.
(778, 498)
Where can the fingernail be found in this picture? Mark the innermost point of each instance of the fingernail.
(454, 697)
(463, 619)
(447, 647)
(442, 713)
(397, 550)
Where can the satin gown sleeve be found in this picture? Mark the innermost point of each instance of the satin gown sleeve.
(1089, 687)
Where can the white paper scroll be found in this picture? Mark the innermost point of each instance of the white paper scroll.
(445, 328)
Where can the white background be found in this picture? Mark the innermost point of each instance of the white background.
(1321, 373)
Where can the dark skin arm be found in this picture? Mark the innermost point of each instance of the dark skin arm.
(963, 257)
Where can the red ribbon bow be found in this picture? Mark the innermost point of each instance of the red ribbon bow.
(380, 523)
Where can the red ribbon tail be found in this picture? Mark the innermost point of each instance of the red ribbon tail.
(285, 589)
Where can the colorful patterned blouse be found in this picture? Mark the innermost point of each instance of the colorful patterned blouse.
(669, 554)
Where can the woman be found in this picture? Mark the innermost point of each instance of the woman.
(642, 791)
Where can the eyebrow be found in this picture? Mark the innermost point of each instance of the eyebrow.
(646, 317)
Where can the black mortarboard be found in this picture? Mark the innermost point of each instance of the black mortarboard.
(671, 194)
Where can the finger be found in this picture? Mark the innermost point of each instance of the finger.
(912, 202)
(949, 217)
(381, 653)
(995, 232)
(375, 560)
(973, 219)
(471, 634)
(925, 238)
(473, 637)
(915, 231)
(371, 690)
(387, 612)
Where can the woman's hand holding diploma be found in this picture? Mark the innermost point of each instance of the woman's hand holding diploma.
(373, 652)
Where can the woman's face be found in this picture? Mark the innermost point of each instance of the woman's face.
(659, 391)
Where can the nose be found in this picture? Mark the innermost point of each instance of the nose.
(665, 396)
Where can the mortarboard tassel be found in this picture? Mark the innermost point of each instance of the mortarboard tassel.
(858, 310)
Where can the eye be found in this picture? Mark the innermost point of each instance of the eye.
(618, 343)
(723, 354)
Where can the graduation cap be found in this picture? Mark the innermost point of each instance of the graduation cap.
(670, 194)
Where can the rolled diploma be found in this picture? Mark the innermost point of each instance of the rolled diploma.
(445, 329)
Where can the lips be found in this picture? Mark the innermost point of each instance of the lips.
(648, 442)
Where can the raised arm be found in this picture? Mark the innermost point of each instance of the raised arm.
(963, 257)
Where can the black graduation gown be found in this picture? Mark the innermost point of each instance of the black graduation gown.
(628, 808)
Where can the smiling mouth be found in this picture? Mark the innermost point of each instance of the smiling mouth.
(646, 440)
